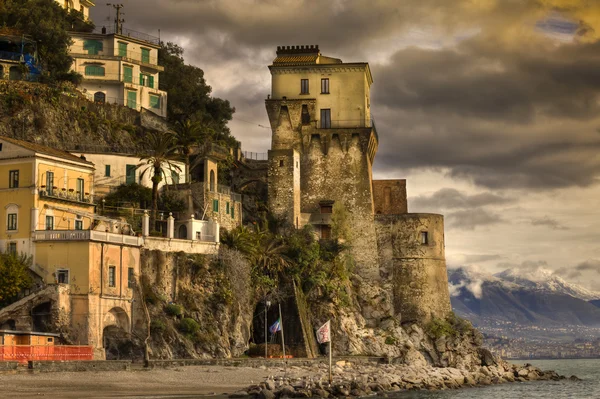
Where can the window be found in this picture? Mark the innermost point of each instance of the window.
(154, 101)
(305, 115)
(12, 221)
(326, 119)
(325, 86)
(62, 276)
(130, 174)
(78, 224)
(146, 80)
(326, 208)
(325, 232)
(303, 86)
(122, 49)
(106, 170)
(50, 339)
(227, 208)
(212, 180)
(112, 281)
(424, 238)
(233, 211)
(93, 47)
(132, 99)
(49, 222)
(215, 205)
(13, 179)
(146, 55)
(198, 235)
(175, 177)
(127, 74)
(50, 182)
(0, 143)
(94, 70)
(130, 277)
(11, 248)
(99, 97)
(80, 189)
(281, 163)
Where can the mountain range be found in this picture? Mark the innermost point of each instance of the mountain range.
(523, 297)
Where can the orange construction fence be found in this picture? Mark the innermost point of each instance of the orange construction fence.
(24, 353)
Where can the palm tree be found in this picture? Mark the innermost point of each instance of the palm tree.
(157, 157)
(187, 135)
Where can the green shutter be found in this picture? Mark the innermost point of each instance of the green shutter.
(107, 170)
(141, 79)
(132, 99)
(227, 208)
(233, 211)
(92, 46)
(215, 205)
(146, 55)
(151, 82)
(128, 74)
(122, 49)
(154, 101)
(94, 70)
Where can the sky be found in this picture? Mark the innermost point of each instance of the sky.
(489, 108)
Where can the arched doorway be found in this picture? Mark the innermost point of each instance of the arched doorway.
(99, 97)
(183, 232)
(14, 73)
(116, 338)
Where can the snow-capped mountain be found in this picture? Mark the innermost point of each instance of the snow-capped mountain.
(546, 280)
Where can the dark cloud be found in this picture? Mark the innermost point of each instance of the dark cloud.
(449, 198)
(471, 219)
(589, 266)
(548, 222)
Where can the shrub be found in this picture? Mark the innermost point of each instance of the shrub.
(157, 326)
(438, 328)
(390, 341)
(188, 326)
(174, 310)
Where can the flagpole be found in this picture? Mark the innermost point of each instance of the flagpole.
(266, 332)
(282, 340)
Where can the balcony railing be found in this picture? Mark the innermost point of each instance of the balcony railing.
(343, 124)
(65, 195)
(133, 57)
(87, 235)
(129, 33)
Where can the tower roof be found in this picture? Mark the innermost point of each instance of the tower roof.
(302, 55)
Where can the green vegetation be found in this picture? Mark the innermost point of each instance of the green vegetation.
(14, 277)
(174, 310)
(157, 327)
(188, 326)
(46, 22)
(390, 340)
(451, 326)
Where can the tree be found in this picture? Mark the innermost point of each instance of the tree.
(14, 276)
(46, 22)
(190, 99)
(157, 156)
(188, 134)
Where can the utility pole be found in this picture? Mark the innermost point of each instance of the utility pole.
(118, 20)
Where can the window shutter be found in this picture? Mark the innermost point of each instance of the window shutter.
(141, 79)
(151, 81)
(128, 71)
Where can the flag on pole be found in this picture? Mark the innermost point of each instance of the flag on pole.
(276, 326)
(324, 332)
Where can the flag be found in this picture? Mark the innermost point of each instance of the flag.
(324, 332)
(276, 326)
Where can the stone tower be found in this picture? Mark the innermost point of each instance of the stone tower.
(324, 142)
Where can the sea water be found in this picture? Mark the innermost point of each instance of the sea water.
(586, 369)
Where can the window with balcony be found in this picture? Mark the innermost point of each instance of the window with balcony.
(12, 221)
(326, 119)
(127, 74)
(122, 49)
(304, 86)
(49, 222)
(13, 179)
(112, 278)
(154, 101)
(147, 80)
(93, 47)
(80, 189)
(146, 55)
(94, 70)
(325, 86)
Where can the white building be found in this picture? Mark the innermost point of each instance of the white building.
(112, 170)
(83, 6)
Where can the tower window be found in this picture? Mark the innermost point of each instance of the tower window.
(424, 238)
(325, 86)
(303, 86)
(112, 278)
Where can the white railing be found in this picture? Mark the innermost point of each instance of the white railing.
(85, 235)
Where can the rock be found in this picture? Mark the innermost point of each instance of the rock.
(286, 391)
(239, 394)
(270, 384)
(523, 372)
(340, 363)
(487, 359)
(266, 394)
(574, 378)
(320, 393)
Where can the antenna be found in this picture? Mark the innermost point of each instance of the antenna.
(118, 20)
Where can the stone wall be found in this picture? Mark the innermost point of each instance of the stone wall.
(389, 197)
(284, 185)
(417, 269)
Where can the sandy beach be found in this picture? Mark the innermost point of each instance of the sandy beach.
(182, 382)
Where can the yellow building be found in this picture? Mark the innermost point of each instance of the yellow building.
(120, 66)
(48, 209)
(83, 6)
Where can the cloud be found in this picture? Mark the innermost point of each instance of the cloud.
(584, 268)
(471, 219)
(548, 222)
(475, 287)
(449, 198)
(478, 258)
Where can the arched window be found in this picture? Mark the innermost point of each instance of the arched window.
(212, 180)
(12, 217)
(99, 97)
(94, 70)
(183, 232)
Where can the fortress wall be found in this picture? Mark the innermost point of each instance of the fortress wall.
(284, 185)
(417, 269)
(389, 197)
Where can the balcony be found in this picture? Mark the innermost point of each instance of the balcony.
(68, 196)
(87, 235)
(347, 124)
